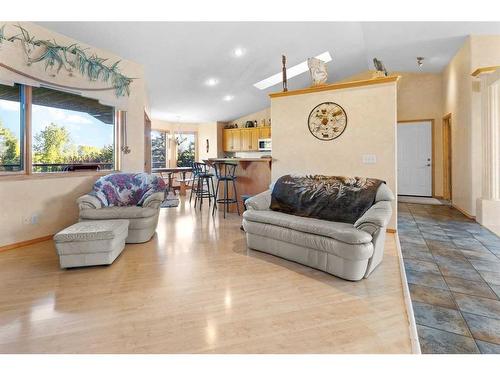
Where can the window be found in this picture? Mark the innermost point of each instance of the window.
(159, 149)
(186, 149)
(11, 129)
(70, 132)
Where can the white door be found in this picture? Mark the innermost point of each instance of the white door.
(414, 158)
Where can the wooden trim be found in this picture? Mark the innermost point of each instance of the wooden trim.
(26, 243)
(447, 154)
(337, 86)
(118, 140)
(46, 175)
(465, 213)
(486, 69)
(433, 147)
(28, 133)
(389, 230)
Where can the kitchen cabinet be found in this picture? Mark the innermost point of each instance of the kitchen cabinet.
(231, 140)
(265, 132)
(250, 139)
(245, 139)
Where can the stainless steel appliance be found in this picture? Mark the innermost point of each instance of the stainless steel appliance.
(265, 144)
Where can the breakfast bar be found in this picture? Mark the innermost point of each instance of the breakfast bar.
(253, 176)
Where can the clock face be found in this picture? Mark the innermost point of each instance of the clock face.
(327, 121)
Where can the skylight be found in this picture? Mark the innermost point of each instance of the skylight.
(290, 72)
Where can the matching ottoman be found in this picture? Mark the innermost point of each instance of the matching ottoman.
(90, 243)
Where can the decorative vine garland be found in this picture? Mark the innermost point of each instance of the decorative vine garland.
(70, 58)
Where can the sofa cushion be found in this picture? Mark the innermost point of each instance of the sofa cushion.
(93, 231)
(309, 241)
(131, 212)
(340, 231)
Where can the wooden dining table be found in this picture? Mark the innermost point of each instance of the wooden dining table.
(172, 171)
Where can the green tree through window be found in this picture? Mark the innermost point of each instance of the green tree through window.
(186, 153)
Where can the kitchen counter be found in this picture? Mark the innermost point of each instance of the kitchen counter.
(253, 177)
(240, 159)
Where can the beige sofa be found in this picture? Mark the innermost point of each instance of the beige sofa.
(142, 219)
(349, 251)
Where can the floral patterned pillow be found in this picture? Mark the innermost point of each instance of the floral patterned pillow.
(126, 189)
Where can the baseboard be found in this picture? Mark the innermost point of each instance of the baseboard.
(388, 230)
(463, 212)
(26, 243)
(437, 197)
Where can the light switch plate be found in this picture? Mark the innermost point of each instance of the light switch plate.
(369, 159)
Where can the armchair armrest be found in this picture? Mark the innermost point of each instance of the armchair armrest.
(259, 202)
(88, 201)
(154, 200)
(376, 217)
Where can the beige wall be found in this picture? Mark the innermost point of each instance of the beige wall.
(458, 92)
(204, 131)
(371, 129)
(457, 84)
(462, 98)
(264, 114)
(53, 199)
(420, 98)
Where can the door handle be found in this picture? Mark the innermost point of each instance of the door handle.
(428, 165)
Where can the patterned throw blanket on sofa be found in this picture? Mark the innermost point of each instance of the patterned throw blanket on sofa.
(126, 189)
(333, 198)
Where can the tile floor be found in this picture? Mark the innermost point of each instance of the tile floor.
(453, 270)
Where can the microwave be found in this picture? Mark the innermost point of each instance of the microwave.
(265, 144)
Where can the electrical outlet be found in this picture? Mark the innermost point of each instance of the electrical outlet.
(369, 159)
(30, 220)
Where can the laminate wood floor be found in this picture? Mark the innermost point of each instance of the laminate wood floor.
(195, 288)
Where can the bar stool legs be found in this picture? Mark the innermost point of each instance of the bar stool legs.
(202, 177)
(225, 172)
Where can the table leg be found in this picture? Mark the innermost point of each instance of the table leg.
(170, 181)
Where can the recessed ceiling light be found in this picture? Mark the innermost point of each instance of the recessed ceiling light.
(211, 82)
(228, 98)
(290, 72)
(238, 52)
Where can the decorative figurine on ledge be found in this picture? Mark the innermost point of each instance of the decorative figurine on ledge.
(318, 71)
(379, 66)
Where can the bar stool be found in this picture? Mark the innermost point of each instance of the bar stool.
(202, 175)
(225, 173)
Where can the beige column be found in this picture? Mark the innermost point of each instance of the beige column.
(488, 205)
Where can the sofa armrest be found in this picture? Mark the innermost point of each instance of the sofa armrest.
(376, 217)
(88, 201)
(154, 200)
(259, 202)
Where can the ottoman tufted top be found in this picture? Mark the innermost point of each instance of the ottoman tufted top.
(92, 231)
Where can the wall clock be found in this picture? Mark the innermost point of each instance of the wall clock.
(327, 121)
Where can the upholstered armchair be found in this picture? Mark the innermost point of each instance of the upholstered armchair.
(133, 196)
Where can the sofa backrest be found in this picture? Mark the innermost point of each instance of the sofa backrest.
(384, 193)
(126, 189)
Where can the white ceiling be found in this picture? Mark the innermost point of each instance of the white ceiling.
(180, 56)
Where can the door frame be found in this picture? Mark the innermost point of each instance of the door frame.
(431, 120)
(447, 155)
